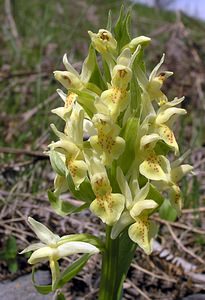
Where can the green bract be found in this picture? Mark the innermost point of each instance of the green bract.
(113, 154)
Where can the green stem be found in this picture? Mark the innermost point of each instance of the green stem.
(109, 268)
(116, 261)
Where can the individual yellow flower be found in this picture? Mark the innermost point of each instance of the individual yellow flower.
(72, 79)
(153, 85)
(52, 248)
(70, 146)
(158, 168)
(116, 98)
(155, 167)
(176, 174)
(138, 208)
(69, 78)
(106, 142)
(158, 127)
(143, 230)
(107, 206)
(69, 100)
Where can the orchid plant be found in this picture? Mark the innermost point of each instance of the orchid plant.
(116, 156)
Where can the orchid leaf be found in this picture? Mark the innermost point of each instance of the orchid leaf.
(72, 270)
(42, 289)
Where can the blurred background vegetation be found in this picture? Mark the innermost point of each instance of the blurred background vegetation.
(34, 36)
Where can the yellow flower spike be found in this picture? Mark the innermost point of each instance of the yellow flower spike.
(107, 143)
(107, 206)
(103, 41)
(143, 231)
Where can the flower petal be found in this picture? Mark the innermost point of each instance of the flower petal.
(121, 76)
(124, 57)
(69, 248)
(32, 247)
(179, 172)
(164, 115)
(155, 167)
(108, 208)
(168, 137)
(115, 99)
(60, 111)
(176, 199)
(174, 102)
(144, 207)
(61, 94)
(155, 70)
(142, 193)
(149, 139)
(142, 232)
(60, 185)
(124, 187)
(55, 271)
(68, 79)
(78, 170)
(41, 254)
(69, 67)
(43, 233)
(121, 224)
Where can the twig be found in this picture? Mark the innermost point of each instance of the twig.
(193, 210)
(199, 259)
(138, 290)
(38, 154)
(25, 74)
(152, 274)
(27, 115)
(178, 225)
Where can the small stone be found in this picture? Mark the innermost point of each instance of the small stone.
(22, 288)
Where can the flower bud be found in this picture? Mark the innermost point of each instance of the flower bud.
(103, 41)
(140, 40)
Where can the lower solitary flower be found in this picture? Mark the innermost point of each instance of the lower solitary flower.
(52, 248)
